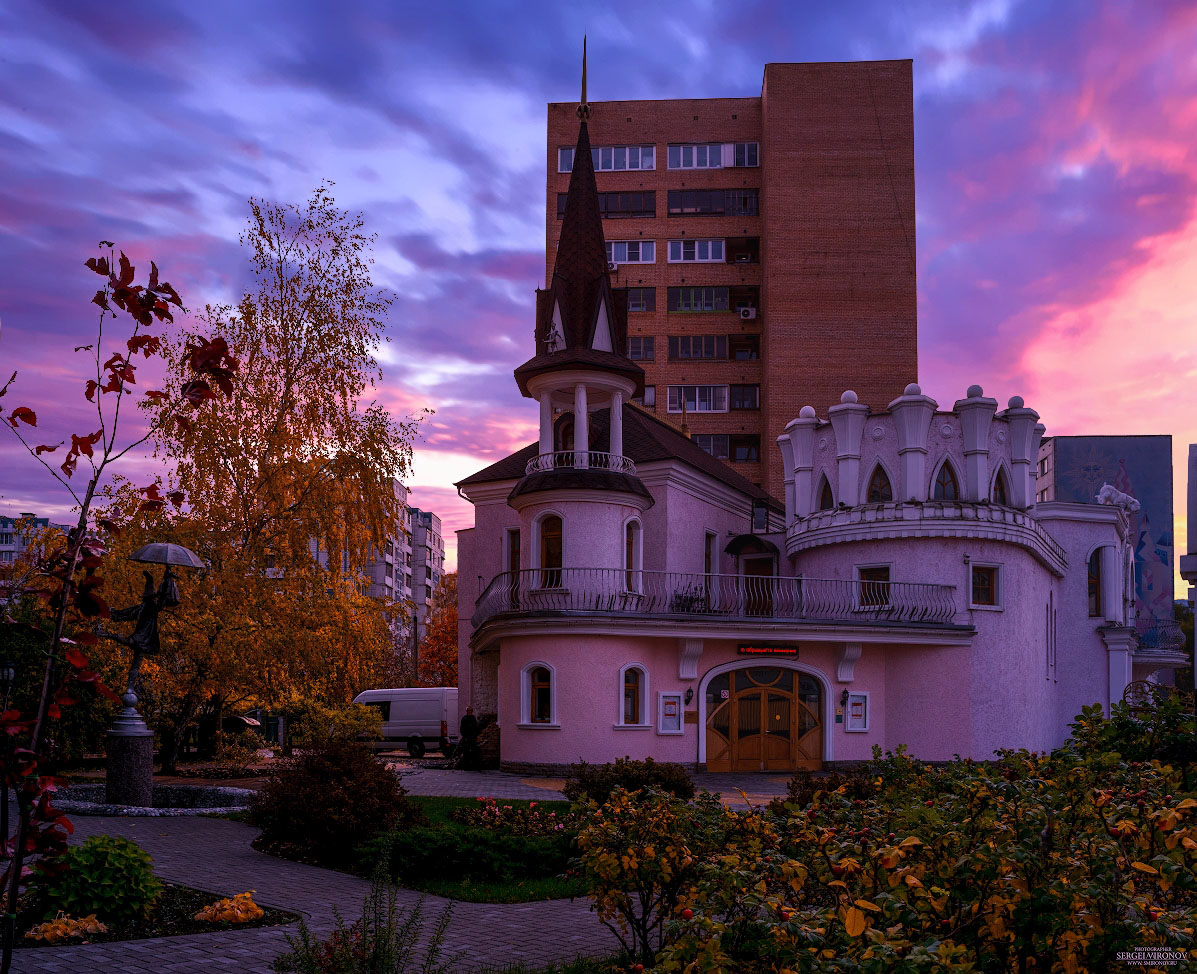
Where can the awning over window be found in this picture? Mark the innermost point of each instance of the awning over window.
(750, 544)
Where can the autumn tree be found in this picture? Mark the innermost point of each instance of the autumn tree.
(438, 651)
(290, 482)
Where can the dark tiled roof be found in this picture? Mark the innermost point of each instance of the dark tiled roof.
(586, 358)
(645, 439)
(570, 477)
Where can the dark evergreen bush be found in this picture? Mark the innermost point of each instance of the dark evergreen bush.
(597, 781)
(453, 851)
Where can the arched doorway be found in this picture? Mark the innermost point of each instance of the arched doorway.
(763, 718)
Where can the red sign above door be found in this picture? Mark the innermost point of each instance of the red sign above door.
(762, 649)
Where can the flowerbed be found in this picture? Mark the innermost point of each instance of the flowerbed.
(516, 819)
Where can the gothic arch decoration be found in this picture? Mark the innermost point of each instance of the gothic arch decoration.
(999, 489)
(945, 484)
(879, 488)
(824, 496)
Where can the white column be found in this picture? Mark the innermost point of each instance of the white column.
(546, 422)
(617, 424)
(581, 427)
(847, 422)
(1112, 606)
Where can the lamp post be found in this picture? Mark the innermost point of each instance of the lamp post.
(8, 675)
(130, 777)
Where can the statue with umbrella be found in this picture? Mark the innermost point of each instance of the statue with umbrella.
(130, 742)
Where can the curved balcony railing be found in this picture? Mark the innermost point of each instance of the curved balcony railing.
(1159, 635)
(715, 597)
(580, 459)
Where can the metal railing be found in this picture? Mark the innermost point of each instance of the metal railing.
(715, 597)
(1161, 634)
(580, 459)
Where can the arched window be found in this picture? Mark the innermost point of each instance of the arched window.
(633, 696)
(1095, 583)
(947, 487)
(550, 551)
(565, 433)
(1001, 490)
(631, 556)
(538, 697)
(880, 491)
(826, 498)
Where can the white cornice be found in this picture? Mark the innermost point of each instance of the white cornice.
(938, 519)
(585, 495)
(490, 491)
(786, 630)
(1086, 513)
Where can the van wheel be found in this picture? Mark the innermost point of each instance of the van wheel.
(415, 747)
(447, 748)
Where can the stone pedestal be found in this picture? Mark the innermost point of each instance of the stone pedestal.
(130, 777)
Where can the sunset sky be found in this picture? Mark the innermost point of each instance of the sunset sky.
(1056, 182)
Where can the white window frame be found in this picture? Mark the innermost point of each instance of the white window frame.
(862, 697)
(747, 164)
(856, 570)
(526, 721)
(600, 154)
(697, 402)
(689, 154)
(999, 584)
(507, 533)
(678, 248)
(637, 569)
(534, 554)
(662, 730)
(644, 698)
(617, 247)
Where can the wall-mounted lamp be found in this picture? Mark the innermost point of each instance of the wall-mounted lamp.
(689, 695)
(966, 559)
(844, 699)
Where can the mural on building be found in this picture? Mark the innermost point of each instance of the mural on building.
(1142, 467)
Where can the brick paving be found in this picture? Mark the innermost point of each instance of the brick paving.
(215, 855)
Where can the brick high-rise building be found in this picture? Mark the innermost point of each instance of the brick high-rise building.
(769, 243)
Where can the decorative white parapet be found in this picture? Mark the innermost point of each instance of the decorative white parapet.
(1024, 451)
(848, 421)
(912, 412)
(976, 415)
(574, 458)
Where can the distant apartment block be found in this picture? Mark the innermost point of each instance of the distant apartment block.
(428, 564)
(16, 534)
(768, 244)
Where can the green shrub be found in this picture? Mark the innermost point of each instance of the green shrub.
(311, 724)
(325, 801)
(596, 781)
(805, 785)
(107, 875)
(1166, 731)
(240, 750)
(460, 852)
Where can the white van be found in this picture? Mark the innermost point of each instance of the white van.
(422, 716)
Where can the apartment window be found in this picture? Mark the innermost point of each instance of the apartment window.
(873, 581)
(716, 444)
(745, 449)
(640, 349)
(632, 251)
(700, 156)
(744, 348)
(745, 397)
(611, 158)
(1095, 583)
(6, 537)
(696, 251)
(698, 299)
(615, 206)
(713, 202)
(7, 557)
(1043, 467)
(698, 399)
(649, 399)
(985, 586)
(642, 299)
(748, 153)
(697, 347)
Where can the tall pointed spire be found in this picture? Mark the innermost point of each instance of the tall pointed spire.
(583, 105)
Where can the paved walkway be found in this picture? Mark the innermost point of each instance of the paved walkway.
(215, 855)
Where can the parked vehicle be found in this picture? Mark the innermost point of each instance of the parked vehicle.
(423, 717)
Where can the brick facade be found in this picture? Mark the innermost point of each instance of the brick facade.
(835, 232)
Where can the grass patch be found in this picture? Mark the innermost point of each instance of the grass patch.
(499, 891)
(439, 809)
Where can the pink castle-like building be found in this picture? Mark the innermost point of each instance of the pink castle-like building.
(624, 593)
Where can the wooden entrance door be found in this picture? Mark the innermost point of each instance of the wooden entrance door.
(763, 718)
(758, 586)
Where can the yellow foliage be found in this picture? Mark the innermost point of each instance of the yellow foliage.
(64, 927)
(854, 922)
(240, 909)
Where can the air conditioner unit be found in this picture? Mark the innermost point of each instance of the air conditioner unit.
(612, 266)
(748, 314)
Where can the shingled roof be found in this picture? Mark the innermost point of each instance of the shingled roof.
(581, 286)
(645, 439)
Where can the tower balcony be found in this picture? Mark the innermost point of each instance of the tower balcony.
(579, 460)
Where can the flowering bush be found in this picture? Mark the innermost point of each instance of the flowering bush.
(240, 909)
(596, 782)
(531, 819)
(64, 927)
